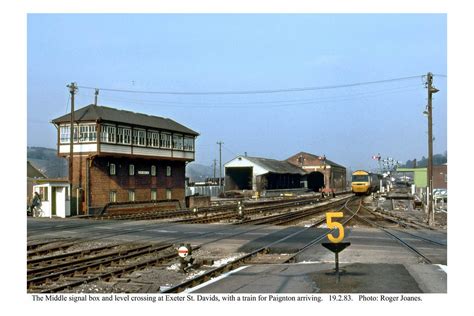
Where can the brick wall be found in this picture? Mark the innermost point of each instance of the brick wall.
(101, 182)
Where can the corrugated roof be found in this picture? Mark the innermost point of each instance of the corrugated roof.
(95, 112)
(276, 166)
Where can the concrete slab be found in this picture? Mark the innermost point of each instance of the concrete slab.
(320, 278)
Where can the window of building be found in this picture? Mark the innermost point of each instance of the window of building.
(113, 196)
(87, 133)
(153, 139)
(107, 134)
(168, 171)
(153, 170)
(189, 143)
(139, 137)
(67, 193)
(168, 194)
(127, 136)
(43, 192)
(131, 170)
(64, 134)
(177, 141)
(165, 140)
(123, 135)
(131, 195)
(112, 170)
(154, 194)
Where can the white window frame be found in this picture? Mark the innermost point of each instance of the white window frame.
(169, 194)
(112, 196)
(153, 170)
(112, 169)
(64, 134)
(168, 171)
(177, 141)
(131, 170)
(107, 134)
(165, 140)
(131, 195)
(154, 194)
(188, 143)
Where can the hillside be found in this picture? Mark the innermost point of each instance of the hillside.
(46, 160)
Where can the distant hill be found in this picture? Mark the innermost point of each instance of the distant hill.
(46, 160)
(198, 173)
(438, 159)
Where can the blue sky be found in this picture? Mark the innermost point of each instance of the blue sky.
(239, 52)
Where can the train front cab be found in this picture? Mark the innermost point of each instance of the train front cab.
(360, 183)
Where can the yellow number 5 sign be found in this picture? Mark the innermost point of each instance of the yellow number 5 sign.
(335, 225)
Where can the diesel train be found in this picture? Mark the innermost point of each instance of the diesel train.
(364, 182)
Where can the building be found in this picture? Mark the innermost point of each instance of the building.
(261, 174)
(121, 156)
(417, 176)
(54, 197)
(32, 174)
(440, 176)
(321, 172)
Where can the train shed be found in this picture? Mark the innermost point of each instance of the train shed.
(261, 174)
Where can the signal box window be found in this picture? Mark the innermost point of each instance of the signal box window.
(113, 196)
(131, 195)
(112, 170)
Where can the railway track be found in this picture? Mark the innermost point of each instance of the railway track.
(54, 265)
(395, 234)
(234, 264)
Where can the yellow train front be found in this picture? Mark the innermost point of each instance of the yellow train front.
(363, 182)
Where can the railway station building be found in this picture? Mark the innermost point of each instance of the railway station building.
(123, 156)
(321, 173)
(261, 175)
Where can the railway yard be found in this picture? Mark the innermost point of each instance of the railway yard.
(268, 245)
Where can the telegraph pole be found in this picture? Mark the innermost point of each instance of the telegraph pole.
(220, 163)
(72, 89)
(431, 90)
(95, 96)
(215, 161)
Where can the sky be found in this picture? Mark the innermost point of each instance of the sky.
(217, 65)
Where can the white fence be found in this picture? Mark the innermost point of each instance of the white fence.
(210, 190)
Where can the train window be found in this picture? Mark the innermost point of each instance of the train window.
(360, 178)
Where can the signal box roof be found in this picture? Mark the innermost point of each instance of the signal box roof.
(106, 114)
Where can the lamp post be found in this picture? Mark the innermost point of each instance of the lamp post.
(429, 112)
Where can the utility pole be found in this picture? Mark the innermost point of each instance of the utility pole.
(220, 163)
(72, 89)
(95, 96)
(431, 90)
(215, 161)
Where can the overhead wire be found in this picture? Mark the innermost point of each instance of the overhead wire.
(255, 91)
(267, 104)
